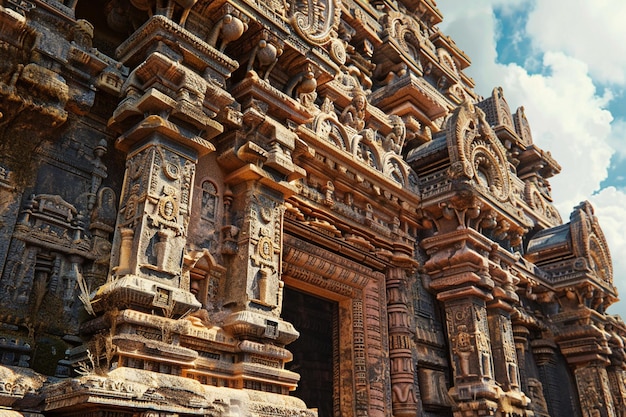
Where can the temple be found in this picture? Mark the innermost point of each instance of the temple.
(268, 208)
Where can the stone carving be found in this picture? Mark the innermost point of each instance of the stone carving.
(394, 141)
(303, 86)
(264, 56)
(476, 151)
(229, 28)
(316, 20)
(463, 347)
(354, 115)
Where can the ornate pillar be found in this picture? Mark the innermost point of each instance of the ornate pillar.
(584, 343)
(173, 106)
(403, 395)
(594, 390)
(165, 124)
(617, 369)
(258, 166)
(254, 291)
(460, 277)
(520, 336)
(507, 369)
(545, 352)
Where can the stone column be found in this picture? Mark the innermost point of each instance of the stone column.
(165, 123)
(254, 289)
(259, 169)
(459, 275)
(520, 336)
(507, 369)
(403, 395)
(617, 372)
(594, 390)
(545, 353)
(585, 344)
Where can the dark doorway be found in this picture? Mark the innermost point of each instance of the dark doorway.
(315, 319)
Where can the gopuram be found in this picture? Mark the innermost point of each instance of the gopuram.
(266, 208)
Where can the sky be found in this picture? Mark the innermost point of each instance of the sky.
(565, 62)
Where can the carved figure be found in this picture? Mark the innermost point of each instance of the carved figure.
(264, 57)
(229, 28)
(463, 349)
(354, 114)
(394, 141)
(83, 34)
(304, 84)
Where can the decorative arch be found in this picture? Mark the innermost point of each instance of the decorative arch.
(589, 241)
(316, 21)
(364, 148)
(395, 168)
(446, 60)
(505, 118)
(202, 272)
(327, 127)
(405, 31)
(522, 127)
(476, 153)
(366, 153)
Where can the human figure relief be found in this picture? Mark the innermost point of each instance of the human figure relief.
(463, 349)
(354, 114)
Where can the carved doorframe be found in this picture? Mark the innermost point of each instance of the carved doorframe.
(360, 366)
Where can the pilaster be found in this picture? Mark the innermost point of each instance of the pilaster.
(165, 126)
(594, 390)
(617, 369)
(403, 396)
(460, 276)
(173, 106)
(584, 343)
(503, 343)
(254, 291)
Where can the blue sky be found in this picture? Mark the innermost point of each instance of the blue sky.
(565, 62)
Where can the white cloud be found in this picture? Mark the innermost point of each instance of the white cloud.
(592, 32)
(617, 140)
(567, 114)
(568, 119)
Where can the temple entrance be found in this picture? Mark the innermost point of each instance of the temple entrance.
(315, 319)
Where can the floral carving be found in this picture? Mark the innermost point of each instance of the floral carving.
(316, 20)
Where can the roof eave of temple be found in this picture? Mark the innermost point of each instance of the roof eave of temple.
(414, 91)
(439, 39)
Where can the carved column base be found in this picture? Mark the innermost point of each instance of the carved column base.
(124, 393)
(143, 293)
(476, 408)
(252, 325)
(470, 391)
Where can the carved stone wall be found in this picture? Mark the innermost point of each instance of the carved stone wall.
(264, 208)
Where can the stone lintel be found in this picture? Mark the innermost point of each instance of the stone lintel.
(466, 292)
(162, 33)
(251, 172)
(252, 89)
(440, 241)
(156, 126)
(499, 304)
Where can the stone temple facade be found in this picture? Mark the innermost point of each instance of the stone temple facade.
(272, 208)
